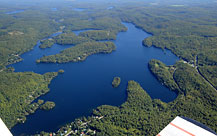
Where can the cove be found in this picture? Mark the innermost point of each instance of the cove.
(86, 85)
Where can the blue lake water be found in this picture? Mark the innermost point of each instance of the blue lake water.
(109, 8)
(14, 12)
(54, 9)
(86, 85)
(79, 9)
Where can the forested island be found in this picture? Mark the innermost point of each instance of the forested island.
(79, 52)
(47, 105)
(61, 71)
(116, 82)
(189, 31)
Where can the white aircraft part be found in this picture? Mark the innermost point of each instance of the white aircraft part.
(4, 131)
(182, 127)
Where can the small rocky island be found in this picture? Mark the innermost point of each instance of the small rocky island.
(61, 71)
(48, 105)
(116, 82)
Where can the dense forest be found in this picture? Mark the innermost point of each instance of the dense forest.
(18, 34)
(99, 35)
(70, 38)
(186, 28)
(47, 43)
(164, 74)
(17, 91)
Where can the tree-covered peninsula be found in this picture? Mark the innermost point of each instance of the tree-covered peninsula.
(99, 35)
(47, 105)
(17, 91)
(164, 74)
(70, 38)
(48, 43)
(79, 52)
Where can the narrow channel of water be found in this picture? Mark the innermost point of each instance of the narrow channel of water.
(86, 85)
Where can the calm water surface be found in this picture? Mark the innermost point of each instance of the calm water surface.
(14, 12)
(79, 9)
(54, 9)
(111, 7)
(86, 85)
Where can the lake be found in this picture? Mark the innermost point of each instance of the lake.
(86, 85)
(14, 12)
(79, 9)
